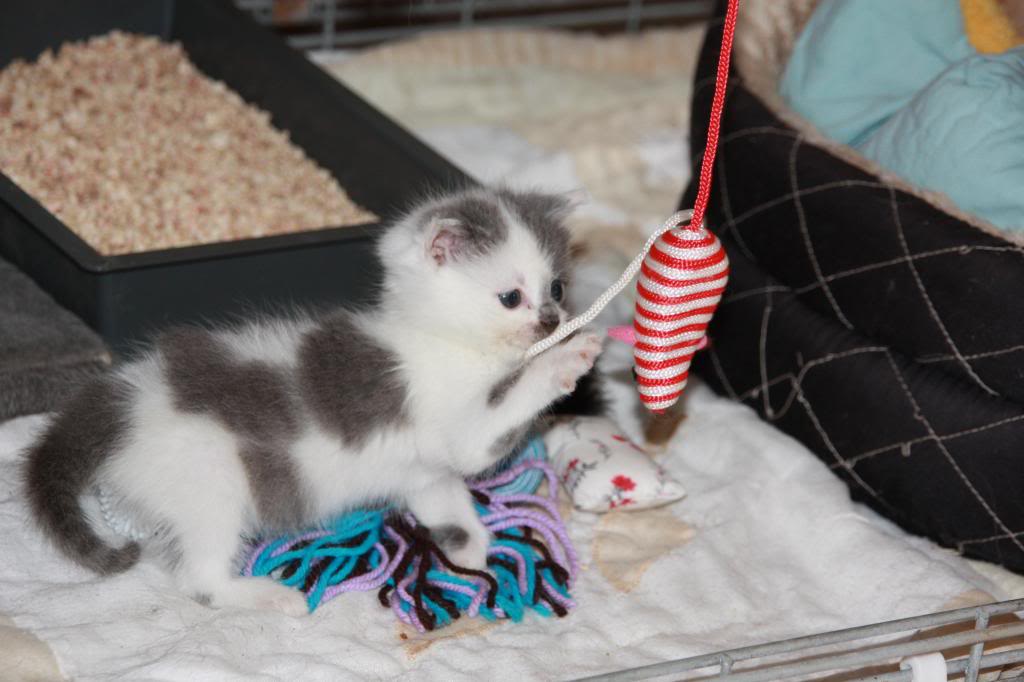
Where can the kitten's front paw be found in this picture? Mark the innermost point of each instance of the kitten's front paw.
(472, 555)
(464, 547)
(575, 358)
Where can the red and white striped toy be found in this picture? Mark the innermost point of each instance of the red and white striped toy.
(683, 271)
(680, 284)
(682, 274)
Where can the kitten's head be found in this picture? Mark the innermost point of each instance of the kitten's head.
(488, 266)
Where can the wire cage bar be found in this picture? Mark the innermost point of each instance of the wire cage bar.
(845, 652)
(334, 24)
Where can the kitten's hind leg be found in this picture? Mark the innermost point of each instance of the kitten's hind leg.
(446, 508)
(261, 594)
(206, 547)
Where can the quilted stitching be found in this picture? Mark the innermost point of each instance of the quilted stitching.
(882, 332)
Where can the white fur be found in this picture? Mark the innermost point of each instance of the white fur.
(273, 340)
(453, 340)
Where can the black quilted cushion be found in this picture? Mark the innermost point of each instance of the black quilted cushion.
(885, 334)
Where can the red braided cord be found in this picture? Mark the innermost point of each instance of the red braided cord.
(717, 104)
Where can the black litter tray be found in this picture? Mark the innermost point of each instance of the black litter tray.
(380, 165)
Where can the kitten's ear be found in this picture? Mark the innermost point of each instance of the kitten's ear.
(575, 198)
(561, 205)
(445, 240)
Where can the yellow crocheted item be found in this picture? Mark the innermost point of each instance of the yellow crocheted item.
(988, 27)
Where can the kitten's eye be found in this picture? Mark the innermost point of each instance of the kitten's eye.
(511, 299)
(557, 290)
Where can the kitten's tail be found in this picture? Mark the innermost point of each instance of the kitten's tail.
(64, 462)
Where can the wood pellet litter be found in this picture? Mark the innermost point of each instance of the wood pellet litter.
(132, 148)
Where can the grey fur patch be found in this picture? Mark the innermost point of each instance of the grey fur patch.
(275, 484)
(510, 441)
(543, 215)
(501, 389)
(253, 399)
(63, 464)
(169, 551)
(481, 226)
(203, 598)
(450, 537)
(479, 213)
(350, 382)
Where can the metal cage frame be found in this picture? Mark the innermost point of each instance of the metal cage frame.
(849, 652)
(333, 24)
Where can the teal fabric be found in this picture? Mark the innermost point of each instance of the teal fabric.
(856, 63)
(899, 82)
(963, 135)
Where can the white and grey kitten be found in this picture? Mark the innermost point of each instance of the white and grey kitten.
(219, 434)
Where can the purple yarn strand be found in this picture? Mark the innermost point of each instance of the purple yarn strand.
(507, 476)
(311, 535)
(541, 528)
(512, 472)
(482, 588)
(366, 581)
(377, 577)
(280, 550)
(558, 596)
(453, 587)
(403, 592)
(551, 507)
(557, 538)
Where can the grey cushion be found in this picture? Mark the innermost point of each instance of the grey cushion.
(44, 349)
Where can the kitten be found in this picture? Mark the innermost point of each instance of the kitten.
(219, 434)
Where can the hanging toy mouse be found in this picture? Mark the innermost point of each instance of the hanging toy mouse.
(678, 289)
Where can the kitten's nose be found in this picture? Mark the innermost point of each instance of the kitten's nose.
(548, 318)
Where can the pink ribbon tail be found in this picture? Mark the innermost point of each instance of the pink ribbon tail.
(627, 335)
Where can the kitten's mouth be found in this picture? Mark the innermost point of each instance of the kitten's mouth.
(543, 331)
(529, 335)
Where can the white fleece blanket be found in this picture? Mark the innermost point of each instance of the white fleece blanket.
(767, 544)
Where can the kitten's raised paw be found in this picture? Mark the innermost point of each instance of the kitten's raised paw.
(262, 594)
(587, 344)
(576, 357)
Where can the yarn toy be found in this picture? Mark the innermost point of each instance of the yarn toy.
(683, 270)
(531, 560)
